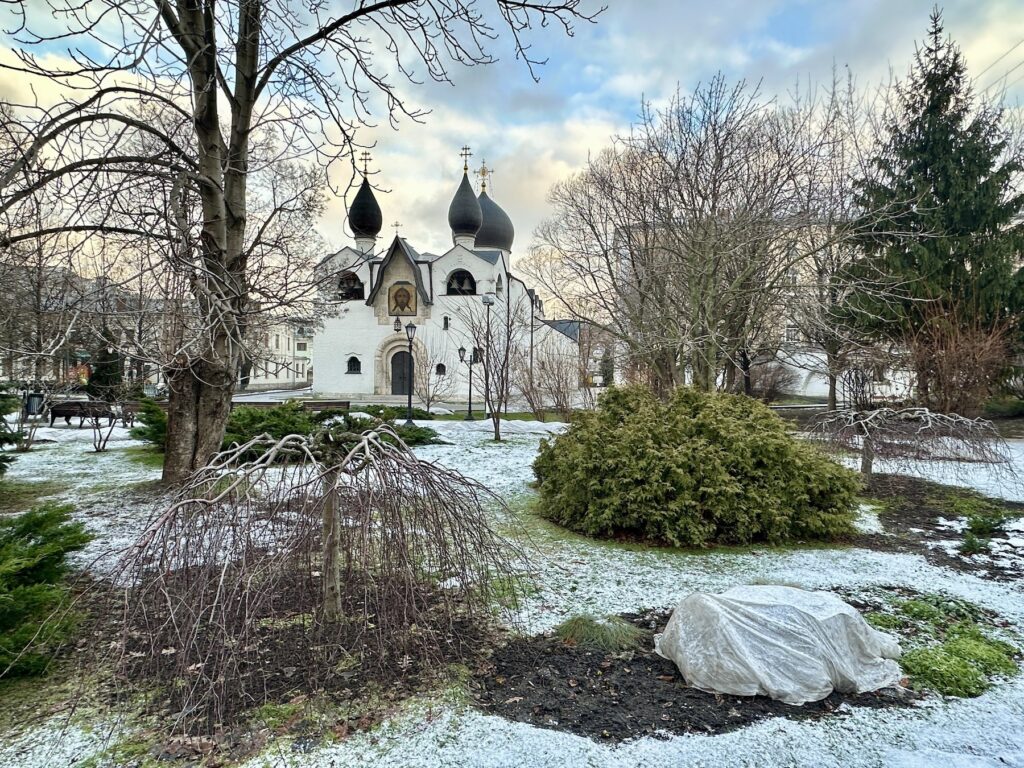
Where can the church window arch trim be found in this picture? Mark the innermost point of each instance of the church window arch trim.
(460, 283)
(353, 365)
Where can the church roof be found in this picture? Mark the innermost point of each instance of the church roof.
(496, 231)
(399, 249)
(488, 255)
(364, 216)
(570, 328)
(464, 215)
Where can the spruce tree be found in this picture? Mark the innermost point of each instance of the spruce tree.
(949, 231)
(107, 368)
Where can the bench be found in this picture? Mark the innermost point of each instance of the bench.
(314, 406)
(83, 409)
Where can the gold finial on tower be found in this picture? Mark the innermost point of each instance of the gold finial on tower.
(365, 157)
(484, 172)
(396, 225)
(465, 154)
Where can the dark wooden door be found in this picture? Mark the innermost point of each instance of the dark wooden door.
(400, 373)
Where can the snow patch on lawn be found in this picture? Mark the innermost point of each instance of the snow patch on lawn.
(575, 575)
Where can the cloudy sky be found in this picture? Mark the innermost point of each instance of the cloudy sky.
(533, 134)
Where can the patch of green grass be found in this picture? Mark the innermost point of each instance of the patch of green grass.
(962, 665)
(22, 495)
(146, 455)
(942, 671)
(275, 716)
(885, 620)
(610, 634)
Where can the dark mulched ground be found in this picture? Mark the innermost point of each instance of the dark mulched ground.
(546, 683)
(912, 508)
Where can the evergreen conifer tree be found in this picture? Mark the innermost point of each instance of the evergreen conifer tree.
(946, 181)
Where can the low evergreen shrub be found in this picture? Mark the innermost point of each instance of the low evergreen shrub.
(291, 418)
(33, 548)
(153, 424)
(9, 403)
(700, 469)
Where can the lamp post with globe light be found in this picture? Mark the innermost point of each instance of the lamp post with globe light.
(462, 359)
(488, 300)
(410, 332)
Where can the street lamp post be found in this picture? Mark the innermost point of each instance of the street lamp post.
(462, 359)
(488, 300)
(410, 332)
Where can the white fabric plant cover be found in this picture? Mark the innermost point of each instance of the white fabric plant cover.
(782, 642)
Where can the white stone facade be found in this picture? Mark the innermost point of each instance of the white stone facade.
(357, 351)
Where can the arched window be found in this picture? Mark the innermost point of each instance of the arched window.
(354, 366)
(447, 322)
(350, 287)
(499, 286)
(441, 370)
(461, 283)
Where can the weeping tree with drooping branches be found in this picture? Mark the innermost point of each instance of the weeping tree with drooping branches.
(341, 552)
(904, 436)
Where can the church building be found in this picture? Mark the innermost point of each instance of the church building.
(456, 305)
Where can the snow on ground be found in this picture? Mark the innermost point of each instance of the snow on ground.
(97, 484)
(575, 575)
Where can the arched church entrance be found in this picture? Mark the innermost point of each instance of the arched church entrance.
(400, 380)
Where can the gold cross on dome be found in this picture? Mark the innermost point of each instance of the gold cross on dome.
(483, 172)
(396, 225)
(365, 157)
(465, 154)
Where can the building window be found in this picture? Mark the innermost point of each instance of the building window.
(350, 287)
(354, 366)
(288, 341)
(499, 286)
(792, 334)
(447, 323)
(441, 370)
(300, 346)
(277, 341)
(461, 283)
(478, 356)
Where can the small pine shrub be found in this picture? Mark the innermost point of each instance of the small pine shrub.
(397, 412)
(609, 634)
(33, 548)
(973, 544)
(701, 469)
(246, 422)
(153, 421)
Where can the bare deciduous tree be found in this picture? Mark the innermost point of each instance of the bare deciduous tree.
(229, 71)
(682, 238)
(433, 375)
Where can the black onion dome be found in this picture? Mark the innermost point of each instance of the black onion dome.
(364, 216)
(464, 215)
(497, 230)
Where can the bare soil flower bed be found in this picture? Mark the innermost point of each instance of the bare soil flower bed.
(912, 513)
(613, 697)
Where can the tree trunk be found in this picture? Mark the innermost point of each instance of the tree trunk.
(748, 387)
(832, 402)
(197, 414)
(330, 537)
(867, 457)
